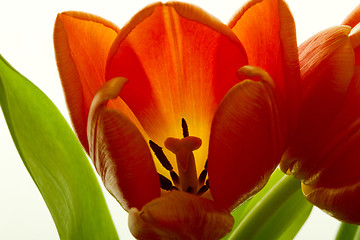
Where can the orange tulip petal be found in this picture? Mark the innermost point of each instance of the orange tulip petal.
(338, 161)
(340, 167)
(266, 28)
(353, 18)
(180, 62)
(341, 203)
(327, 66)
(119, 152)
(244, 142)
(82, 42)
(330, 160)
(180, 215)
(355, 42)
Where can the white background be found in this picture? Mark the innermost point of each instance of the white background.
(26, 28)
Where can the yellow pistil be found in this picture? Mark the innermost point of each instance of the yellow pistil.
(183, 149)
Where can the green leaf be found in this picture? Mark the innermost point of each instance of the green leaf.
(290, 218)
(54, 159)
(357, 235)
(347, 232)
(279, 214)
(240, 213)
(275, 177)
(298, 217)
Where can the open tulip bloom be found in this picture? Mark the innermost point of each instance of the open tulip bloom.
(185, 118)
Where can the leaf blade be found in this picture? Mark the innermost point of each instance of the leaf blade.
(54, 159)
(272, 214)
(347, 232)
(240, 213)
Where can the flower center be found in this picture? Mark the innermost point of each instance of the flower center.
(187, 180)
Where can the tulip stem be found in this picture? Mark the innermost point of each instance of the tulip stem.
(348, 231)
(265, 208)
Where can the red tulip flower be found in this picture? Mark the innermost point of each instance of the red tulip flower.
(325, 151)
(178, 125)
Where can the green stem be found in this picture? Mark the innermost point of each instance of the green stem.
(265, 208)
(357, 234)
(347, 232)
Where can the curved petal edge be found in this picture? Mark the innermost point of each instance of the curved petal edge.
(341, 203)
(81, 42)
(180, 215)
(119, 152)
(245, 144)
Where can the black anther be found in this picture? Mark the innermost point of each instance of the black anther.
(202, 190)
(202, 177)
(160, 155)
(174, 177)
(184, 128)
(165, 183)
